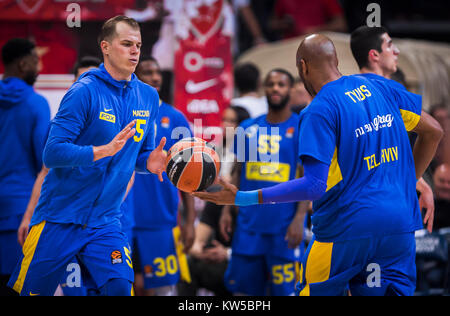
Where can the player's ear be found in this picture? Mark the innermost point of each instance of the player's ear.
(373, 55)
(304, 67)
(105, 46)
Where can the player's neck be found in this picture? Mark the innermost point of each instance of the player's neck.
(10, 73)
(327, 78)
(115, 74)
(374, 70)
(276, 117)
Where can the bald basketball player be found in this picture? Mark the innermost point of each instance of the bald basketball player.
(361, 174)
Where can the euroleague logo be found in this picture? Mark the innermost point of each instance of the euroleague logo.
(116, 257)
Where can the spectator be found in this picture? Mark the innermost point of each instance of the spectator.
(300, 98)
(442, 114)
(441, 181)
(298, 17)
(244, 13)
(247, 80)
(232, 117)
(209, 256)
(24, 120)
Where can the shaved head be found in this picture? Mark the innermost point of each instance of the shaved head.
(317, 49)
(317, 62)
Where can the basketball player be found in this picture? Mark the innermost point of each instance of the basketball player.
(104, 130)
(361, 174)
(24, 119)
(265, 244)
(160, 243)
(377, 55)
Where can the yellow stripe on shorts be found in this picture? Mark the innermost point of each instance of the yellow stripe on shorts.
(28, 252)
(185, 275)
(318, 265)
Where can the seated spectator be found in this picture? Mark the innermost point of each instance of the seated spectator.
(441, 181)
(208, 257)
(298, 17)
(247, 81)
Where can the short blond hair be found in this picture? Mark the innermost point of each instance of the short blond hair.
(109, 27)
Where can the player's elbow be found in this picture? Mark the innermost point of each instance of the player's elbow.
(48, 157)
(317, 190)
(438, 132)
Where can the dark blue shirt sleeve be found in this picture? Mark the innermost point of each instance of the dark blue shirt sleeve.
(60, 150)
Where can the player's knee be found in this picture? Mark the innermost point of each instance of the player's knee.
(116, 287)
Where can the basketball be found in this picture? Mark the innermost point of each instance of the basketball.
(186, 143)
(192, 165)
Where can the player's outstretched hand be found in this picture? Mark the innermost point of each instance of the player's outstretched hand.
(156, 162)
(114, 146)
(224, 197)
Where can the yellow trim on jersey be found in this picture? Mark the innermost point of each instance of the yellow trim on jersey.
(334, 174)
(28, 252)
(185, 275)
(410, 119)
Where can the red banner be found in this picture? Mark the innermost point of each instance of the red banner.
(57, 10)
(204, 67)
(56, 44)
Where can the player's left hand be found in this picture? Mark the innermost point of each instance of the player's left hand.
(224, 197)
(156, 162)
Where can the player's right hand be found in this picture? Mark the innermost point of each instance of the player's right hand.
(22, 232)
(114, 146)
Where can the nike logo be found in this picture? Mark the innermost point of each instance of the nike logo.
(196, 87)
(106, 110)
(31, 294)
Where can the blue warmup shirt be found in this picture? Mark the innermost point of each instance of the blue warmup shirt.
(269, 152)
(94, 110)
(24, 120)
(358, 125)
(155, 202)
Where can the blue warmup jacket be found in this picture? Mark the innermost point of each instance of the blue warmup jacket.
(24, 120)
(94, 110)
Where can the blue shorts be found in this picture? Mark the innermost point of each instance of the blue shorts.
(370, 266)
(262, 265)
(10, 248)
(10, 251)
(163, 261)
(50, 247)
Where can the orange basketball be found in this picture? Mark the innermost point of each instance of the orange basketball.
(186, 143)
(192, 166)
